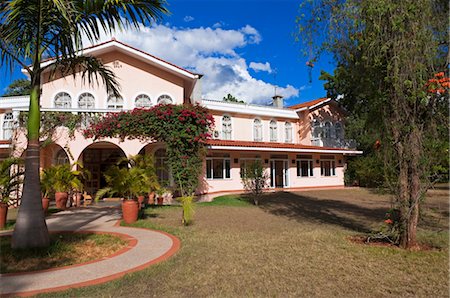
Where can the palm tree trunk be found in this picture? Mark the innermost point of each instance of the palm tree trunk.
(31, 229)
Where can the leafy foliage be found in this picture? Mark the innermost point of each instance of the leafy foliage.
(255, 180)
(18, 87)
(9, 178)
(188, 210)
(387, 52)
(184, 129)
(231, 98)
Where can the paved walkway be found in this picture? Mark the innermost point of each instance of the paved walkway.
(146, 247)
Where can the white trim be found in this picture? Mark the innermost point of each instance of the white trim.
(174, 101)
(241, 108)
(319, 104)
(232, 126)
(276, 130)
(9, 102)
(72, 104)
(25, 109)
(85, 91)
(301, 109)
(139, 94)
(135, 53)
(5, 146)
(271, 149)
(253, 129)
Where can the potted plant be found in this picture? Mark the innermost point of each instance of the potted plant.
(9, 179)
(147, 165)
(160, 195)
(47, 182)
(64, 180)
(78, 188)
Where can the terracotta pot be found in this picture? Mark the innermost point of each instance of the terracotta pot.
(45, 203)
(3, 214)
(61, 200)
(78, 199)
(141, 201)
(130, 211)
(160, 200)
(151, 198)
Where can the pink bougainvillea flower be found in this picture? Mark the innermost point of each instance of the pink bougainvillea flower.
(389, 221)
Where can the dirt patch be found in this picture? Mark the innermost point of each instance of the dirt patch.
(65, 249)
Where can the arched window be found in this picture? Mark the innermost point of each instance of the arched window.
(162, 168)
(61, 157)
(273, 131)
(86, 101)
(63, 100)
(143, 101)
(257, 130)
(315, 129)
(226, 127)
(327, 130)
(115, 102)
(288, 132)
(165, 99)
(8, 126)
(338, 130)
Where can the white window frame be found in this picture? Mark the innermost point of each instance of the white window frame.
(261, 130)
(84, 94)
(310, 167)
(140, 105)
(164, 97)
(224, 169)
(115, 105)
(273, 130)
(8, 126)
(288, 128)
(67, 103)
(227, 128)
(332, 167)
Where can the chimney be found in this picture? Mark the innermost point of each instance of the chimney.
(278, 101)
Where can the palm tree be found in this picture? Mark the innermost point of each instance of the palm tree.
(32, 30)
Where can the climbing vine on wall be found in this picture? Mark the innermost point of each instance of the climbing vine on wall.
(184, 129)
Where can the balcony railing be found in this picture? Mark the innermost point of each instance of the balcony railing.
(334, 143)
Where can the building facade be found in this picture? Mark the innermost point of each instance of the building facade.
(300, 146)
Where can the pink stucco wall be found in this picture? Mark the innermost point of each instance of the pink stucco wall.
(134, 76)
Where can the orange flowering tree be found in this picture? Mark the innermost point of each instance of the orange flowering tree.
(183, 128)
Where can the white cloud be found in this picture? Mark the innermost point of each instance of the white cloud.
(256, 66)
(211, 52)
(188, 19)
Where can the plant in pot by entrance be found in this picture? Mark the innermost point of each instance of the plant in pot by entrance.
(150, 183)
(47, 183)
(10, 178)
(82, 175)
(126, 183)
(65, 179)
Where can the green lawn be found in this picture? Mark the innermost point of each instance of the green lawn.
(293, 244)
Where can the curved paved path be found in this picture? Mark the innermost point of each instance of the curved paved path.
(147, 247)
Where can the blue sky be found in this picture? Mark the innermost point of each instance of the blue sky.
(242, 47)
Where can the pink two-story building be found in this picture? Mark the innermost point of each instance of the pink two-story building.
(301, 146)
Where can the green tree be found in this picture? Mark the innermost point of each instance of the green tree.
(386, 52)
(35, 29)
(18, 87)
(255, 180)
(231, 98)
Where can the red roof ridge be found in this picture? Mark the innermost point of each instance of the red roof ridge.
(308, 104)
(269, 145)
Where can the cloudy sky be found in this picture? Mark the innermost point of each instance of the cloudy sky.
(244, 48)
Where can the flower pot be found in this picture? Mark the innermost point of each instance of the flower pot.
(45, 204)
(61, 200)
(3, 214)
(130, 211)
(151, 198)
(141, 201)
(160, 200)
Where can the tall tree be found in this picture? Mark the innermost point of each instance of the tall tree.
(386, 51)
(231, 98)
(34, 29)
(18, 87)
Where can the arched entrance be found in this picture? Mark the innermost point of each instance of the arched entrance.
(159, 154)
(53, 154)
(97, 158)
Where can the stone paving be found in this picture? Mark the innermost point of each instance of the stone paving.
(147, 247)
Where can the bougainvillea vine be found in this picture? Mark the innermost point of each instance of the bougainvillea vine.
(183, 128)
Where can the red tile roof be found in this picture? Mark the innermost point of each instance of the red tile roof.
(3, 142)
(307, 104)
(269, 145)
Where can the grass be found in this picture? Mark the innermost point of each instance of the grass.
(293, 244)
(65, 249)
(228, 200)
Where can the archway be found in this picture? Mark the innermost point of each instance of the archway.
(97, 158)
(159, 155)
(53, 154)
